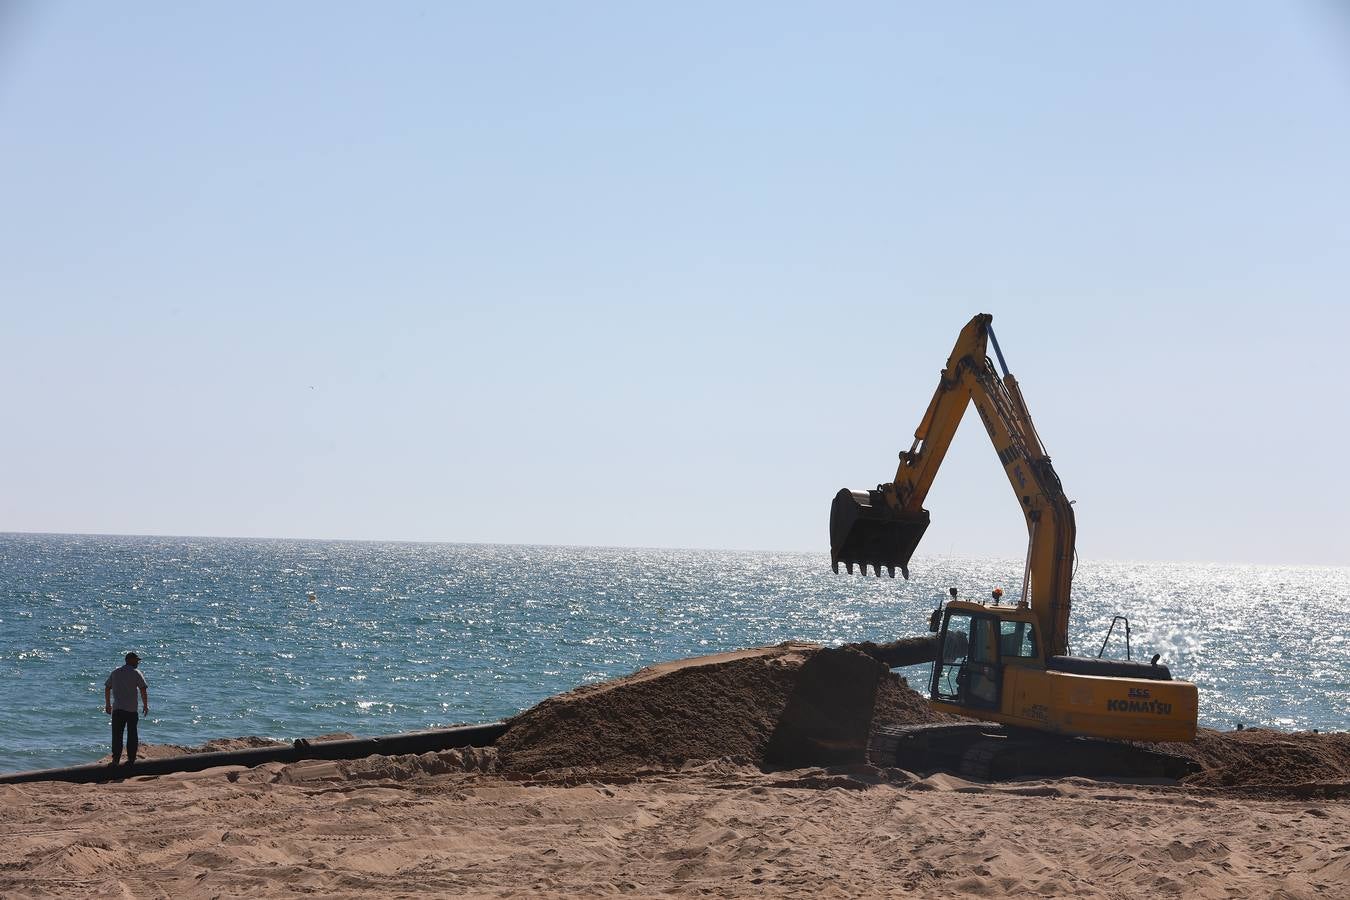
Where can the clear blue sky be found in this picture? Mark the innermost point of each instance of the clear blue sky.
(671, 275)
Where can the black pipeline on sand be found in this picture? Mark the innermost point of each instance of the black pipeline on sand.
(354, 748)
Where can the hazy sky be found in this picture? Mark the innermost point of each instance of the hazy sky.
(672, 274)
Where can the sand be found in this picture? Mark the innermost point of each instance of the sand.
(793, 704)
(641, 787)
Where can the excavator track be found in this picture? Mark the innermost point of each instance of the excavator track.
(988, 751)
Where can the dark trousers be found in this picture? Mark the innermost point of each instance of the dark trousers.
(123, 719)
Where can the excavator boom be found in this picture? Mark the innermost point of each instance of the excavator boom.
(882, 527)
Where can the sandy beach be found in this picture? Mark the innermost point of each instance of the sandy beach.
(634, 811)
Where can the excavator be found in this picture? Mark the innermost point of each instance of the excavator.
(1009, 663)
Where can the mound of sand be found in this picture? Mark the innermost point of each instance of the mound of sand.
(790, 705)
(1261, 757)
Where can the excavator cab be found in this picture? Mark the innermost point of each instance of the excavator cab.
(991, 664)
(975, 645)
(865, 531)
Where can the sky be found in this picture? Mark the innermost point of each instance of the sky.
(670, 275)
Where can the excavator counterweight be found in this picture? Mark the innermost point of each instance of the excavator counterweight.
(865, 531)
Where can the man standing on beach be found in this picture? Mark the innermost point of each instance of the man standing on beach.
(119, 700)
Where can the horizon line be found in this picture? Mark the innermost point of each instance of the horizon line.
(541, 544)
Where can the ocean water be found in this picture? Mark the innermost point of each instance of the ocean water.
(404, 636)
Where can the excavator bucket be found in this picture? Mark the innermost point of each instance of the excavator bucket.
(864, 531)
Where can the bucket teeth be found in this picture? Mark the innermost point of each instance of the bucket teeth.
(863, 568)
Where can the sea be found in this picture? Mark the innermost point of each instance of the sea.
(296, 638)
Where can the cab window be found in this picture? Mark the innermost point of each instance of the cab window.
(952, 663)
(967, 671)
(1016, 639)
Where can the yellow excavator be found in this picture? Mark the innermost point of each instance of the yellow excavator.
(996, 661)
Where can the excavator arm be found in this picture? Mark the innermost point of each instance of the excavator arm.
(882, 527)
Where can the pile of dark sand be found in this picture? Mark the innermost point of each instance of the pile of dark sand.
(791, 705)
(1260, 757)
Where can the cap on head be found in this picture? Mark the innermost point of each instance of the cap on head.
(132, 657)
